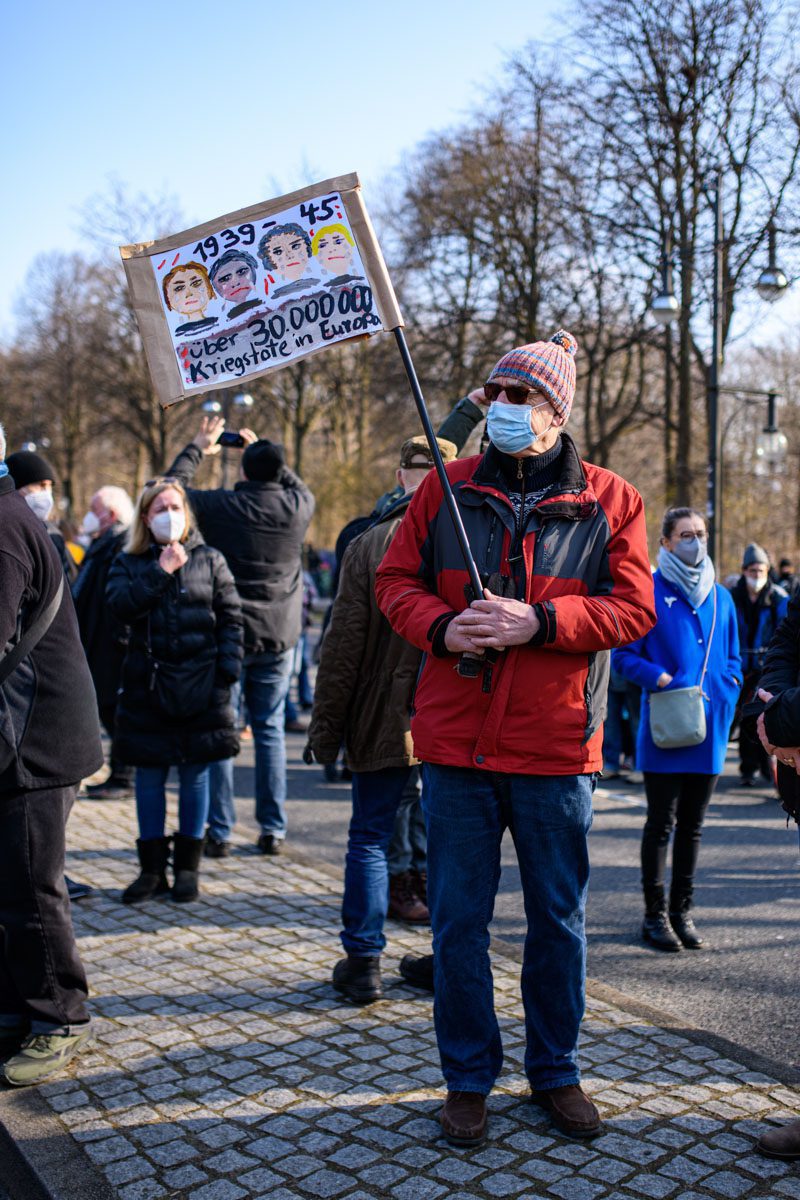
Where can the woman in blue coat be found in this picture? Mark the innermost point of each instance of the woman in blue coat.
(679, 782)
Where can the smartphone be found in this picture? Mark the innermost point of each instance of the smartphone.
(229, 438)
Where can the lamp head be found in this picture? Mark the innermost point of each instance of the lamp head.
(665, 308)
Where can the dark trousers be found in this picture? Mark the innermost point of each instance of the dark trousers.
(41, 975)
(120, 772)
(676, 801)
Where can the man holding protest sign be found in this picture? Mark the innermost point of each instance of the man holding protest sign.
(514, 739)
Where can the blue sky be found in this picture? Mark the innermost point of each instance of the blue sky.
(225, 105)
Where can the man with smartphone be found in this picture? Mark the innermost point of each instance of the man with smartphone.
(259, 525)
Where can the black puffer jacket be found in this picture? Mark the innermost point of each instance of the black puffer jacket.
(192, 613)
(260, 528)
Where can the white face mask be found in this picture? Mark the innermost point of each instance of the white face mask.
(168, 526)
(40, 503)
(90, 525)
(756, 585)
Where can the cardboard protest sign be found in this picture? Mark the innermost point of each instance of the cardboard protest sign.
(255, 290)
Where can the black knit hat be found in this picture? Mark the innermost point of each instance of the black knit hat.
(262, 460)
(25, 467)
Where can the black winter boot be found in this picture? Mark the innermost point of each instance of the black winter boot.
(359, 979)
(681, 921)
(186, 861)
(656, 929)
(152, 879)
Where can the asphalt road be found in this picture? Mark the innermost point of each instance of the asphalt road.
(744, 987)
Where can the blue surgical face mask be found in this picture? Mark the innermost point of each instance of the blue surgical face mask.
(509, 426)
(692, 552)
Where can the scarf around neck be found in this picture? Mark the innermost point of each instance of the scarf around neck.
(695, 582)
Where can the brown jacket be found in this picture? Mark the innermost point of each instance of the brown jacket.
(366, 672)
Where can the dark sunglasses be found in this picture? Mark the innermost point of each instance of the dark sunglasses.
(514, 395)
(161, 479)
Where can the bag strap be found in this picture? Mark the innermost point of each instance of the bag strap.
(32, 635)
(710, 639)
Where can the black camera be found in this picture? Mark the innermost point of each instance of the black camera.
(227, 438)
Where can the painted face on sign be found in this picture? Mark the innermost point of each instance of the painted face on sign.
(234, 281)
(188, 291)
(290, 254)
(334, 252)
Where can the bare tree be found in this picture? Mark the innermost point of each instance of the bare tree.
(670, 95)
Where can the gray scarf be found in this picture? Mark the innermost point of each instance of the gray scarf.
(695, 582)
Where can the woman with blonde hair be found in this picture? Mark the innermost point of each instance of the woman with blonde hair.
(178, 597)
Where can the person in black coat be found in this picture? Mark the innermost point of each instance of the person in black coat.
(49, 741)
(33, 477)
(185, 651)
(774, 717)
(104, 637)
(259, 525)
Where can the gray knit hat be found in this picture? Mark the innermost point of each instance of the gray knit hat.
(754, 554)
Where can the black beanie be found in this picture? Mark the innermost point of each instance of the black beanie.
(25, 467)
(262, 461)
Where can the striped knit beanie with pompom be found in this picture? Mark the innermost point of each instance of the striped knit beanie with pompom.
(548, 366)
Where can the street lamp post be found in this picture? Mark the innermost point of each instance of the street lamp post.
(665, 309)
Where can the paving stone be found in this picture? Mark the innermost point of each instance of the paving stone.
(184, 1177)
(547, 1172)
(651, 1185)
(110, 1149)
(456, 1170)
(143, 1189)
(382, 1175)
(127, 1170)
(685, 1170)
(327, 1183)
(725, 1183)
(576, 1189)
(172, 1153)
(260, 1180)
(230, 1162)
(610, 1170)
(220, 1189)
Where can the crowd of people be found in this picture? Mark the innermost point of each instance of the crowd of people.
(460, 716)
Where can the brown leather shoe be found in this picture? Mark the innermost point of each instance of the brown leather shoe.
(781, 1143)
(571, 1110)
(404, 903)
(463, 1118)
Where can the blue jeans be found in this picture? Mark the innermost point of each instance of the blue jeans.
(549, 817)
(376, 798)
(408, 847)
(265, 681)
(151, 799)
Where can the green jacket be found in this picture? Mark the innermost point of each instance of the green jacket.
(366, 676)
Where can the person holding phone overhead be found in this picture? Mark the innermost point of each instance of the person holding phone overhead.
(185, 652)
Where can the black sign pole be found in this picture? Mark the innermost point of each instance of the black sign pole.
(450, 500)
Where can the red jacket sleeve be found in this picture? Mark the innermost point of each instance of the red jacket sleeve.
(622, 607)
(405, 581)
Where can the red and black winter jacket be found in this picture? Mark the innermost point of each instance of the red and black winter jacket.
(581, 560)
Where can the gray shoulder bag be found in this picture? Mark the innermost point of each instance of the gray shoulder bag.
(678, 717)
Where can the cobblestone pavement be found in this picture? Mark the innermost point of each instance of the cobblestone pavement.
(226, 1068)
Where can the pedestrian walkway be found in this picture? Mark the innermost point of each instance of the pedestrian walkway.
(226, 1067)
